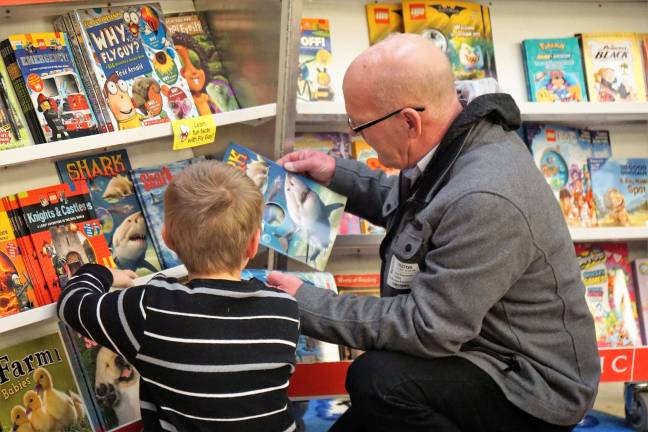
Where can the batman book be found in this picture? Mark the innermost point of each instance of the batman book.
(383, 19)
(116, 206)
(300, 218)
(315, 55)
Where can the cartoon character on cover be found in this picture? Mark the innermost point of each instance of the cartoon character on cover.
(147, 97)
(570, 213)
(614, 201)
(132, 22)
(471, 58)
(52, 118)
(120, 103)
(152, 29)
(195, 71)
(609, 88)
(559, 88)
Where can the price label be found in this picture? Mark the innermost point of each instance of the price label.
(193, 132)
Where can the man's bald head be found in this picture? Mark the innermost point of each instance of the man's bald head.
(402, 70)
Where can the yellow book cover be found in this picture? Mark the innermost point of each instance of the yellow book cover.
(643, 40)
(460, 29)
(363, 152)
(383, 19)
(613, 67)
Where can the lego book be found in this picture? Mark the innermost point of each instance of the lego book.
(460, 29)
(202, 65)
(135, 64)
(13, 126)
(640, 275)
(554, 70)
(48, 86)
(64, 230)
(116, 206)
(39, 390)
(610, 293)
(613, 67)
(561, 155)
(300, 218)
(619, 187)
(315, 56)
(383, 19)
(150, 184)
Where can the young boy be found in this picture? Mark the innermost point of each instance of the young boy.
(216, 353)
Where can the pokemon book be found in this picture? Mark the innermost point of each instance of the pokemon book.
(460, 29)
(117, 207)
(613, 67)
(610, 293)
(554, 70)
(640, 279)
(300, 217)
(36, 377)
(48, 86)
(314, 81)
(150, 184)
(13, 126)
(65, 231)
(561, 154)
(383, 19)
(620, 189)
(135, 64)
(202, 65)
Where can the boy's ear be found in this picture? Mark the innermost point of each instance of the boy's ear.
(253, 245)
(166, 239)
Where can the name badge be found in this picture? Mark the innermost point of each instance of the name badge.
(401, 273)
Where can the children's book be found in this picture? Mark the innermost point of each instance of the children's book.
(301, 218)
(640, 275)
(135, 64)
(314, 81)
(561, 154)
(48, 86)
(150, 184)
(643, 40)
(202, 65)
(610, 293)
(65, 231)
(620, 190)
(349, 224)
(613, 67)
(38, 388)
(116, 206)
(363, 152)
(336, 144)
(554, 70)
(601, 144)
(383, 19)
(13, 126)
(460, 29)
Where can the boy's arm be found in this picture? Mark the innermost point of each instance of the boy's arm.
(114, 320)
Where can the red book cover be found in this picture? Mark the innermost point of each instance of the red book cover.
(65, 231)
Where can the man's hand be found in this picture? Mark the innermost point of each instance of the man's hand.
(123, 278)
(315, 164)
(285, 282)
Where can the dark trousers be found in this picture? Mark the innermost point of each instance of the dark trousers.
(396, 392)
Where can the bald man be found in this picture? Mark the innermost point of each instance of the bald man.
(482, 323)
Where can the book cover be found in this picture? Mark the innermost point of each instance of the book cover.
(150, 184)
(383, 19)
(620, 190)
(643, 40)
(554, 70)
(54, 87)
(349, 224)
(13, 126)
(39, 392)
(315, 55)
(460, 29)
(136, 65)
(202, 65)
(640, 278)
(368, 228)
(65, 231)
(610, 293)
(601, 144)
(116, 206)
(561, 154)
(336, 144)
(363, 152)
(300, 218)
(613, 67)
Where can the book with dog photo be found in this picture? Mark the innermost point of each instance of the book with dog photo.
(117, 207)
(39, 390)
(621, 191)
(300, 218)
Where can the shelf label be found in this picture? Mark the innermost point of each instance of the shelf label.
(193, 132)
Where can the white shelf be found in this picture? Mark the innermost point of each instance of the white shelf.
(609, 234)
(321, 112)
(93, 143)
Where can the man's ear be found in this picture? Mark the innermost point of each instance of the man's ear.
(253, 245)
(413, 119)
(166, 239)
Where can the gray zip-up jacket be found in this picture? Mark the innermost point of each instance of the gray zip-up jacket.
(478, 263)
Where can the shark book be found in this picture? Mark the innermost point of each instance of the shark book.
(301, 218)
(113, 196)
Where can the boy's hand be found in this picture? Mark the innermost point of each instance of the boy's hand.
(123, 278)
(315, 164)
(285, 282)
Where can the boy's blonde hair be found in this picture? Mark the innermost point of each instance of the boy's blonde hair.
(211, 212)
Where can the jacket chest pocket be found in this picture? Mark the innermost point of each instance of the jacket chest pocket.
(407, 257)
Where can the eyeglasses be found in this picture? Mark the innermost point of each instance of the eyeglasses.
(358, 129)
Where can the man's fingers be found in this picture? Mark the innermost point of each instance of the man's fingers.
(275, 278)
(292, 156)
(302, 166)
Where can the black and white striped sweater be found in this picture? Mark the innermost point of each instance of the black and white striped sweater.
(213, 355)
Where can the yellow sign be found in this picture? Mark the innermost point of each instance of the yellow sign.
(193, 132)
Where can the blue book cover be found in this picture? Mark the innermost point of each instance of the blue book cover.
(150, 184)
(117, 207)
(619, 187)
(554, 70)
(300, 218)
(601, 144)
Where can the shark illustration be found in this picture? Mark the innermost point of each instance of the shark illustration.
(129, 244)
